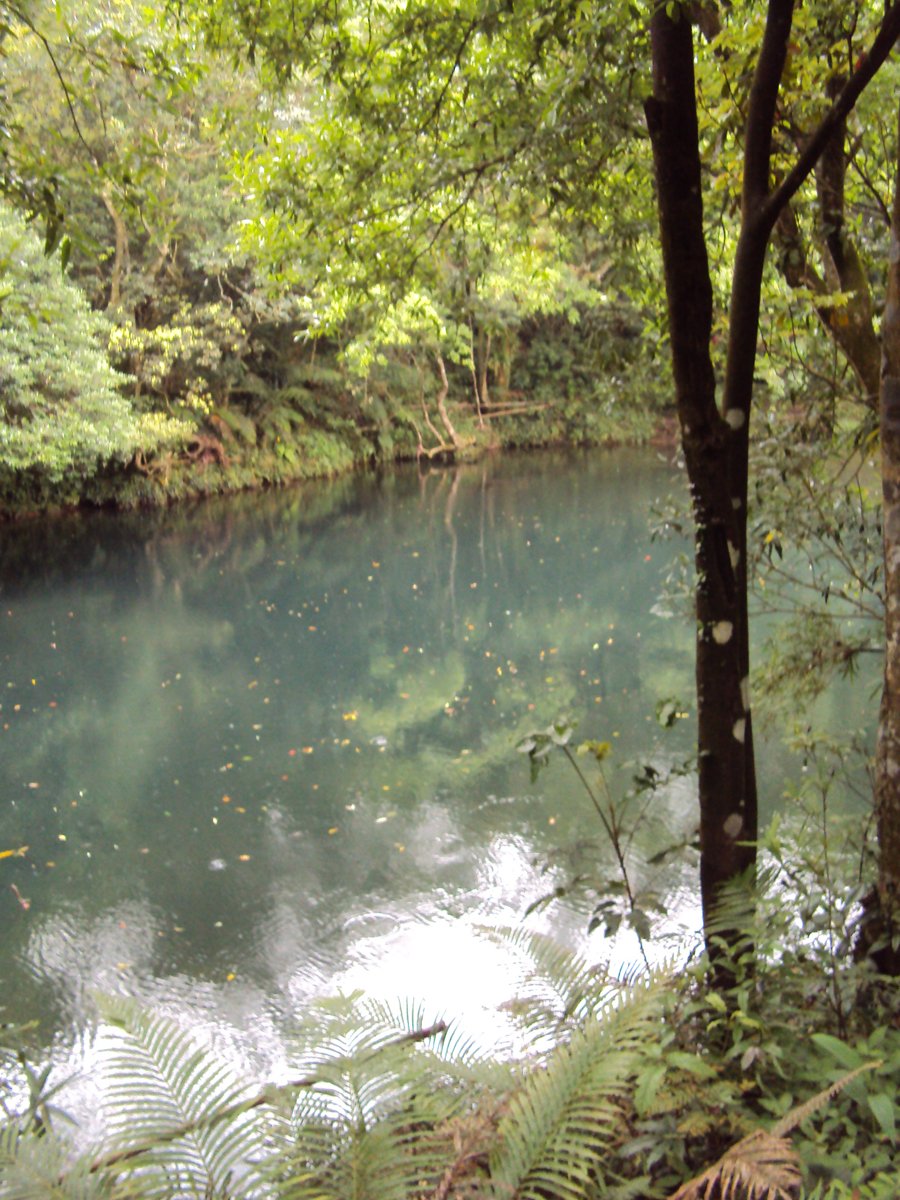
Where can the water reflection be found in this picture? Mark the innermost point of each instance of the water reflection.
(265, 747)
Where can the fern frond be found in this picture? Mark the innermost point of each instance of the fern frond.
(800, 1112)
(764, 1165)
(373, 1124)
(162, 1094)
(553, 1138)
(758, 1167)
(557, 987)
(39, 1168)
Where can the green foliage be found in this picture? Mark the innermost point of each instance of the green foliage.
(375, 1122)
(625, 1090)
(163, 1097)
(33, 1168)
(63, 410)
(563, 1123)
(176, 361)
(615, 900)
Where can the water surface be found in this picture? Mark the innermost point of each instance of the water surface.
(264, 748)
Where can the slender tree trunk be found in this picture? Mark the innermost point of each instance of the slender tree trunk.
(440, 402)
(849, 324)
(727, 808)
(485, 358)
(716, 447)
(887, 757)
(120, 257)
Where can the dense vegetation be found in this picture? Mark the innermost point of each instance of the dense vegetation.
(244, 355)
(309, 236)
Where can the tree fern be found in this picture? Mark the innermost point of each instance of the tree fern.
(553, 1139)
(176, 1111)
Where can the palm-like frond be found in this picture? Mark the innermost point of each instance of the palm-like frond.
(764, 1165)
(557, 987)
(375, 1123)
(175, 1110)
(758, 1167)
(36, 1167)
(554, 1136)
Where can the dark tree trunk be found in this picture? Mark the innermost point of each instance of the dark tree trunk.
(727, 791)
(886, 926)
(716, 445)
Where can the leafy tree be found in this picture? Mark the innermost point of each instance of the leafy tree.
(63, 406)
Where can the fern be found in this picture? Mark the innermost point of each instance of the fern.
(764, 1165)
(758, 1167)
(557, 987)
(176, 1112)
(36, 1167)
(376, 1124)
(553, 1139)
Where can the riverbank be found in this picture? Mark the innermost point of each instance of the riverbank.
(233, 453)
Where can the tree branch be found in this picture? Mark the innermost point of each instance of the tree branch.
(884, 42)
(762, 101)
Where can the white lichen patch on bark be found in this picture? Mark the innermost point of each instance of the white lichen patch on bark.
(722, 631)
(735, 418)
(739, 729)
(733, 825)
(745, 693)
(736, 503)
(734, 555)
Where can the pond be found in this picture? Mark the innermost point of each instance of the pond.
(263, 749)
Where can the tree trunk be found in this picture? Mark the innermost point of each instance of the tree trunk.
(120, 258)
(886, 926)
(727, 807)
(716, 448)
(442, 407)
(849, 324)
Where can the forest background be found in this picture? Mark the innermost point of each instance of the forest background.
(245, 247)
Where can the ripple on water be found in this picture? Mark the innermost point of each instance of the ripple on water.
(73, 954)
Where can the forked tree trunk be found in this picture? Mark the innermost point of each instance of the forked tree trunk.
(849, 324)
(716, 444)
(887, 757)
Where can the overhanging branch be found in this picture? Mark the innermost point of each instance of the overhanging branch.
(885, 39)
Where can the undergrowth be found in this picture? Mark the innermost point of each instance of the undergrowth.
(783, 1086)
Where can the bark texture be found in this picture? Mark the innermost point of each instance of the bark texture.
(727, 794)
(716, 439)
(886, 926)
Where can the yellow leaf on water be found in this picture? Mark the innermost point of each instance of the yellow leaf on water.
(20, 853)
(333, 830)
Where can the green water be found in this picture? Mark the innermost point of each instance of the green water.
(262, 749)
